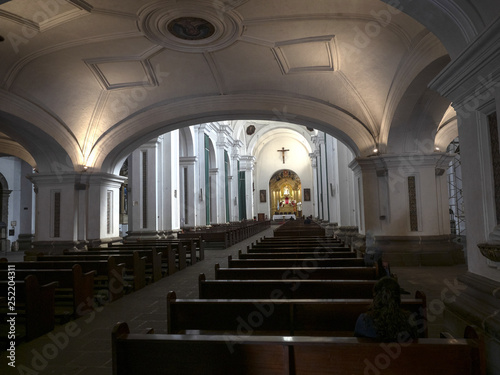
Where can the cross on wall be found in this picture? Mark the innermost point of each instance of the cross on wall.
(283, 153)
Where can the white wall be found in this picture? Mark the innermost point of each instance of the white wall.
(269, 160)
(15, 170)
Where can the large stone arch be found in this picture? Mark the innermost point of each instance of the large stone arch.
(51, 150)
(131, 133)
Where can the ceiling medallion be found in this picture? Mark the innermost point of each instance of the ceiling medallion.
(250, 130)
(191, 28)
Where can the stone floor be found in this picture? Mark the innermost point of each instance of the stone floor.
(83, 346)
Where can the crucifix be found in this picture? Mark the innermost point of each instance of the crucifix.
(283, 153)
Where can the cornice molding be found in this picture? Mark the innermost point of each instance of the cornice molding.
(475, 71)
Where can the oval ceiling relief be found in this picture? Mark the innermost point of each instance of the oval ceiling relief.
(190, 28)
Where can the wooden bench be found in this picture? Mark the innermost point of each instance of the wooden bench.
(155, 354)
(74, 295)
(35, 306)
(108, 279)
(291, 249)
(291, 289)
(176, 254)
(153, 266)
(289, 273)
(296, 239)
(296, 255)
(332, 317)
(298, 262)
(135, 266)
(196, 246)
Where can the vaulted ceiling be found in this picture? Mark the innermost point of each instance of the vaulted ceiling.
(85, 82)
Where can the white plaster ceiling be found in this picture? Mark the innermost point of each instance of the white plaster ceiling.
(93, 79)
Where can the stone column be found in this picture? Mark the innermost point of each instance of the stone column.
(332, 191)
(315, 188)
(224, 143)
(143, 192)
(57, 211)
(247, 164)
(235, 158)
(345, 187)
(399, 191)
(323, 178)
(189, 205)
(102, 207)
(25, 228)
(169, 218)
(214, 196)
(201, 217)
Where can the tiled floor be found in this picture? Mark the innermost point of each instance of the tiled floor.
(83, 346)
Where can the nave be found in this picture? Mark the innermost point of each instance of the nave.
(89, 350)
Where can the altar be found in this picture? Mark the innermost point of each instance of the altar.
(284, 217)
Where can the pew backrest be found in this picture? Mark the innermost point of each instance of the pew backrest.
(333, 317)
(293, 289)
(154, 354)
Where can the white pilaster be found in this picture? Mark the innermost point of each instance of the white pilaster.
(188, 188)
(57, 213)
(235, 158)
(170, 188)
(315, 186)
(143, 190)
(102, 207)
(201, 183)
(247, 164)
(346, 187)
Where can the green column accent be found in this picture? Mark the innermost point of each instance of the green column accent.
(226, 181)
(207, 178)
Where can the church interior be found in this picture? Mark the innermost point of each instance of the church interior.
(204, 126)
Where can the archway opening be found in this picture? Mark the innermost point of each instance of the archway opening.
(285, 188)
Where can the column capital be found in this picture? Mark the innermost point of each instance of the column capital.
(472, 77)
(406, 161)
(247, 162)
(188, 160)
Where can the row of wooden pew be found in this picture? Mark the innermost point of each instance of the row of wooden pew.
(227, 234)
(52, 289)
(270, 313)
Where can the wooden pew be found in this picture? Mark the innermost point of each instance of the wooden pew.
(196, 246)
(332, 317)
(304, 249)
(108, 278)
(291, 289)
(35, 306)
(295, 239)
(153, 258)
(289, 273)
(155, 354)
(174, 253)
(75, 290)
(135, 266)
(305, 262)
(296, 255)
